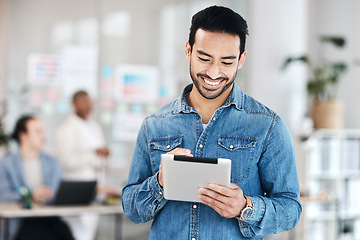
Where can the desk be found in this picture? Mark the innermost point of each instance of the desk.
(11, 210)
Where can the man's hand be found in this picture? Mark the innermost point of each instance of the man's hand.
(228, 202)
(176, 151)
(102, 152)
(42, 194)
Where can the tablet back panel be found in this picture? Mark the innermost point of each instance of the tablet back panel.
(182, 179)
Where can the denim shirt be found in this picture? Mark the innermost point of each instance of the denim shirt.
(262, 165)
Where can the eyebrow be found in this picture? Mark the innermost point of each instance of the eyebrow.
(208, 55)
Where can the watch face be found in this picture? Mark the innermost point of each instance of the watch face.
(246, 213)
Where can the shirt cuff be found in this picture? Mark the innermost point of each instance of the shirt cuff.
(258, 213)
(157, 190)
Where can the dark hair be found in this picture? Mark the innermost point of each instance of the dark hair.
(78, 94)
(20, 127)
(219, 19)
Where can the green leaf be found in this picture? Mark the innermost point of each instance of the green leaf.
(335, 40)
(339, 67)
(289, 60)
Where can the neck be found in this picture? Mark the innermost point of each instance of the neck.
(81, 116)
(28, 153)
(206, 107)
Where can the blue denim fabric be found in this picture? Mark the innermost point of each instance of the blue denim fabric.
(263, 166)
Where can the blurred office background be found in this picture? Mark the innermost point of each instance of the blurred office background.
(130, 56)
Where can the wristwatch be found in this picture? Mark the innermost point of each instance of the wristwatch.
(247, 212)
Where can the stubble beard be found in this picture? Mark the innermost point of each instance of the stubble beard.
(196, 81)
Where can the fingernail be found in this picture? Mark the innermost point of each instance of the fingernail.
(211, 185)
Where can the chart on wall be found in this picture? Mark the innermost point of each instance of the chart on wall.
(136, 83)
(43, 69)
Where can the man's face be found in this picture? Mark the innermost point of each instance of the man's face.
(214, 61)
(83, 106)
(35, 134)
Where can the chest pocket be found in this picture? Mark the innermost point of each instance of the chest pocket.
(162, 146)
(241, 153)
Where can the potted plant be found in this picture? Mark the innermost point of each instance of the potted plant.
(327, 109)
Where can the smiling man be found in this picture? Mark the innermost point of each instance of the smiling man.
(214, 118)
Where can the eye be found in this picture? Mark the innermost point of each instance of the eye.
(204, 59)
(227, 63)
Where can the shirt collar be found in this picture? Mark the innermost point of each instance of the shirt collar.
(235, 98)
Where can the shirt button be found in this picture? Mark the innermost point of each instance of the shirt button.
(214, 118)
(160, 193)
(231, 146)
(197, 118)
(168, 146)
(201, 146)
(193, 239)
(194, 206)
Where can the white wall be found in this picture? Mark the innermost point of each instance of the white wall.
(278, 28)
(333, 17)
(3, 52)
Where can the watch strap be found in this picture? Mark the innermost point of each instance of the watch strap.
(248, 204)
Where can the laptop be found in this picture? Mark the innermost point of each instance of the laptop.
(182, 176)
(75, 193)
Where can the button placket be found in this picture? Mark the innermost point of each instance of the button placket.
(194, 220)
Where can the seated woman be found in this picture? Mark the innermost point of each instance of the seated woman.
(31, 168)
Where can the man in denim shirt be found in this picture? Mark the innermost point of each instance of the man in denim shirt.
(214, 118)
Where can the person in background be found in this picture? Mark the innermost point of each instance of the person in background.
(79, 142)
(32, 168)
(214, 118)
(81, 149)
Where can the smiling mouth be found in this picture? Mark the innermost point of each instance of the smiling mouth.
(212, 83)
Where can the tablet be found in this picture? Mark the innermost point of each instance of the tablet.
(182, 176)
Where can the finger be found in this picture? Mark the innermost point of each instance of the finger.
(48, 193)
(47, 190)
(180, 151)
(225, 191)
(218, 207)
(214, 203)
(212, 196)
(234, 186)
(160, 176)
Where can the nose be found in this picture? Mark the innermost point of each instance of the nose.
(214, 71)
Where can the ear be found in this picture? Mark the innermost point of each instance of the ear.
(22, 137)
(187, 51)
(242, 59)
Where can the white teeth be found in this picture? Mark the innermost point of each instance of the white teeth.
(212, 83)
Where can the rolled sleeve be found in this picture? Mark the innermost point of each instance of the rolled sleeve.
(157, 191)
(142, 197)
(258, 213)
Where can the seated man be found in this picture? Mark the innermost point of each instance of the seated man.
(37, 171)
